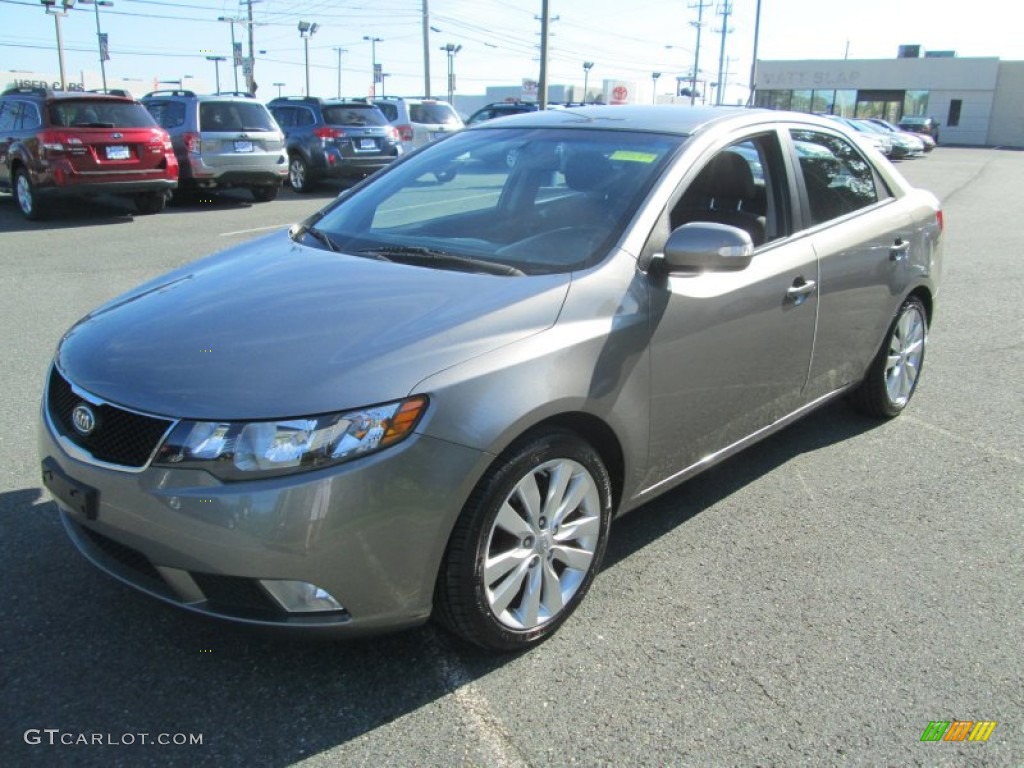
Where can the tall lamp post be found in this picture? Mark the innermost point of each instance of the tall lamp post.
(59, 8)
(451, 49)
(306, 31)
(101, 39)
(216, 64)
(654, 87)
(340, 51)
(587, 66)
(234, 45)
(279, 86)
(373, 60)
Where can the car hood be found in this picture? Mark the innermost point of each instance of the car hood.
(274, 329)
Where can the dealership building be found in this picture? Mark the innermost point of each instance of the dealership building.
(976, 101)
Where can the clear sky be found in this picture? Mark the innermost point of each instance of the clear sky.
(626, 39)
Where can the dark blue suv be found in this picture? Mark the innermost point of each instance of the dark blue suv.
(333, 139)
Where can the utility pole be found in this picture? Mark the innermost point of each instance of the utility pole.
(250, 78)
(724, 10)
(426, 50)
(542, 85)
(753, 61)
(699, 24)
(339, 52)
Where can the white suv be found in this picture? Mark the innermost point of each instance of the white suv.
(419, 121)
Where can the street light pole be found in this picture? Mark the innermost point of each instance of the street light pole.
(451, 49)
(279, 86)
(306, 31)
(654, 86)
(373, 58)
(587, 66)
(100, 37)
(216, 64)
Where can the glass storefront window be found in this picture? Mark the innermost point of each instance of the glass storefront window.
(915, 104)
(802, 101)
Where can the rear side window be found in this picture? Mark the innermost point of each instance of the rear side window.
(349, 115)
(234, 116)
(432, 114)
(390, 111)
(85, 113)
(169, 114)
(837, 177)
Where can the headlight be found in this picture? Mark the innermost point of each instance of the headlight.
(234, 450)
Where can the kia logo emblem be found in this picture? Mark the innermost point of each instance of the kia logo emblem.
(83, 419)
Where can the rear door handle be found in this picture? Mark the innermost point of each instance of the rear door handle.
(899, 250)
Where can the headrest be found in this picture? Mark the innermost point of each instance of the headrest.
(729, 177)
(587, 171)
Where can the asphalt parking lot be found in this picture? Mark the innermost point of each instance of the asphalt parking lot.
(816, 600)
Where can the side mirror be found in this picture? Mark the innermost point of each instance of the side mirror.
(706, 246)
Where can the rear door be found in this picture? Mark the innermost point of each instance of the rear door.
(860, 233)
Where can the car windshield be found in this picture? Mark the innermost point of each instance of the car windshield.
(433, 114)
(234, 116)
(534, 200)
(100, 113)
(347, 114)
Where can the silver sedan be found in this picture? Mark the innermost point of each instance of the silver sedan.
(431, 397)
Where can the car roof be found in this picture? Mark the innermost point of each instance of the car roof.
(51, 95)
(681, 120)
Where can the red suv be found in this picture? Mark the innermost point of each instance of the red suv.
(57, 143)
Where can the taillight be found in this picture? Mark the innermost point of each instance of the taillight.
(940, 220)
(393, 134)
(192, 143)
(405, 132)
(328, 132)
(160, 141)
(57, 143)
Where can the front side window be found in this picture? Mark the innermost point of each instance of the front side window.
(535, 200)
(837, 177)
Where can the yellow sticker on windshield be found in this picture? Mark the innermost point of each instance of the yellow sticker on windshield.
(633, 157)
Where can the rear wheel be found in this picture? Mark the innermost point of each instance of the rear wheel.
(264, 193)
(892, 378)
(298, 174)
(527, 545)
(25, 194)
(150, 202)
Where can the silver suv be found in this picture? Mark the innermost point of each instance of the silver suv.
(222, 141)
(419, 121)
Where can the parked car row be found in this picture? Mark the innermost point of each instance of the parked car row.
(892, 141)
(179, 143)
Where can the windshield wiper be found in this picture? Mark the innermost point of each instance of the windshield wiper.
(319, 235)
(415, 254)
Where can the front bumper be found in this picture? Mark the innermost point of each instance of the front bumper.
(371, 533)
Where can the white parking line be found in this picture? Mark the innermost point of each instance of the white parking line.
(255, 229)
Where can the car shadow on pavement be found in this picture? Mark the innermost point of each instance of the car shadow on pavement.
(67, 214)
(85, 655)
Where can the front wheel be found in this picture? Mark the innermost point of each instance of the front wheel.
(298, 174)
(892, 378)
(527, 545)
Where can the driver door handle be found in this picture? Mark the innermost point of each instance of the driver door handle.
(801, 287)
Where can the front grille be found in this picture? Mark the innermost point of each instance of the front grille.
(237, 596)
(120, 437)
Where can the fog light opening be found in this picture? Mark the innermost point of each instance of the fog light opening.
(300, 596)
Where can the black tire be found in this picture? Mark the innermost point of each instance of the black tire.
(150, 202)
(469, 603)
(26, 198)
(298, 175)
(264, 193)
(894, 373)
